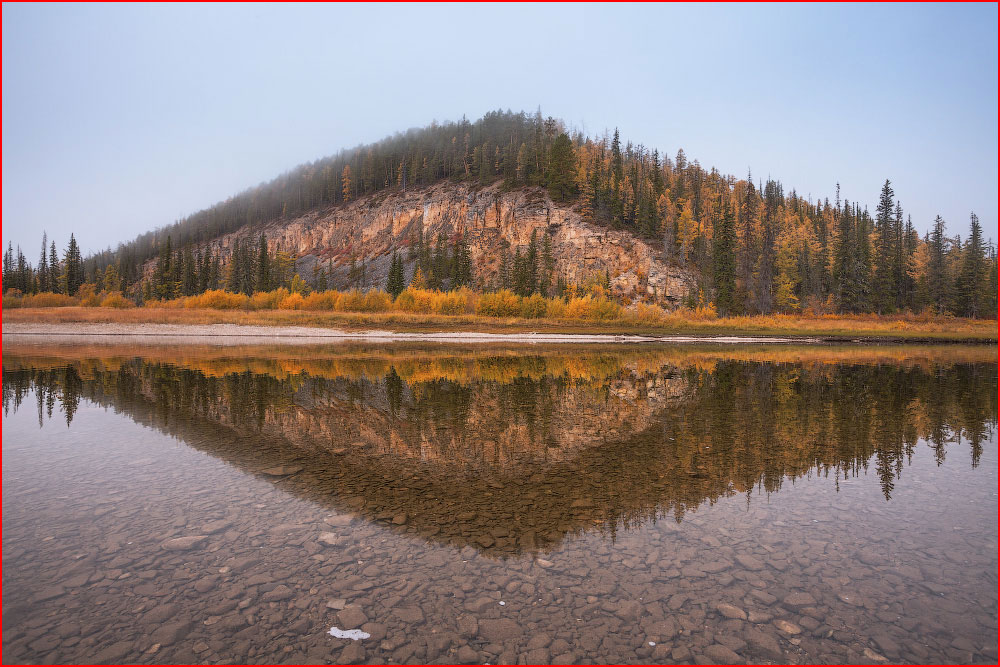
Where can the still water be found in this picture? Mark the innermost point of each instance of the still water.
(782, 504)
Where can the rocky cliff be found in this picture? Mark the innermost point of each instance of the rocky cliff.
(490, 219)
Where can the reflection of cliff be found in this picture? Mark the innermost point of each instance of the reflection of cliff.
(516, 465)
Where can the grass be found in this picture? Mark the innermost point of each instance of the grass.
(899, 327)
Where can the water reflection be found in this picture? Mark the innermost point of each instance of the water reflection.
(512, 451)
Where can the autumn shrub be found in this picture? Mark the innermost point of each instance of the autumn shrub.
(534, 306)
(293, 301)
(268, 300)
(415, 300)
(328, 300)
(47, 300)
(376, 301)
(12, 298)
(216, 299)
(644, 313)
(593, 308)
(116, 300)
(499, 304)
(555, 308)
(450, 303)
(88, 296)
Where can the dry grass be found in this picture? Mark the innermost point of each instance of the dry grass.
(906, 327)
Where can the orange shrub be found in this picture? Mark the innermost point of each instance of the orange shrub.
(499, 304)
(534, 306)
(268, 300)
(47, 300)
(327, 300)
(217, 299)
(116, 300)
(292, 302)
(593, 308)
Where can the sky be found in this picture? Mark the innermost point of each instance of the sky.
(118, 119)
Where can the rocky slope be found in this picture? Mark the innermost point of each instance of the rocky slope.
(489, 219)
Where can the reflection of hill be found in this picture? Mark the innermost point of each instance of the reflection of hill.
(511, 453)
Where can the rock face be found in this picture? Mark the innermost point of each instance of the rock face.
(489, 219)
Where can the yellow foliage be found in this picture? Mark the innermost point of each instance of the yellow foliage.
(499, 304)
(217, 299)
(292, 302)
(116, 300)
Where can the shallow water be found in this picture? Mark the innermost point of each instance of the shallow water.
(781, 504)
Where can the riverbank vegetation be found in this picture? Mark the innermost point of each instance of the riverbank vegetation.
(680, 322)
(754, 248)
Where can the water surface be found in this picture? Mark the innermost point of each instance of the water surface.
(471, 504)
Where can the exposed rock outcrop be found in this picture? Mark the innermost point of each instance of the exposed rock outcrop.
(489, 219)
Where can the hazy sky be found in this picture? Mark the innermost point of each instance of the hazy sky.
(118, 119)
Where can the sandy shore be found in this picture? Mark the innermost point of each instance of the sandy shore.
(242, 334)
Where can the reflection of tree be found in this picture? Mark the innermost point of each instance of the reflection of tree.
(736, 426)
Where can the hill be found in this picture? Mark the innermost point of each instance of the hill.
(462, 202)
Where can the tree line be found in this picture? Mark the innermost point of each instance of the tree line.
(754, 248)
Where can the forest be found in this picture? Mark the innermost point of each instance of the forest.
(755, 248)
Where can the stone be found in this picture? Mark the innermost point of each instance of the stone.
(408, 614)
(338, 520)
(499, 630)
(629, 610)
(720, 655)
(281, 471)
(351, 617)
(337, 603)
(352, 654)
(399, 519)
(280, 592)
(184, 543)
(113, 653)
(50, 593)
(329, 539)
(787, 627)
(731, 611)
(748, 562)
(799, 599)
(763, 642)
(169, 633)
(160, 613)
(466, 655)
(468, 626)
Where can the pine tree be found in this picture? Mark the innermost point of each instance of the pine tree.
(263, 282)
(937, 279)
(394, 283)
(884, 287)
(562, 168)
(43, 266)
(970, 297)
(189, 275)
(74, 267)
(55, 270)
(546, 267)
(724, 257)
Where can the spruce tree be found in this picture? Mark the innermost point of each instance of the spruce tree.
(394, 283)
(562, 167)
(43, 266)
(55, 270)
(884, 287)
(970, 287)
(263, 281)
(724, 259)
(74, 267)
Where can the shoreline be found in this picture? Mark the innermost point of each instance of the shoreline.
(232, 334)
(16, 332)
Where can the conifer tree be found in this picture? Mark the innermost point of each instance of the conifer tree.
(970, 286)
(724, 256)
(55, 270)
(74, 267)
(884, 288)
(394, 283)
(263, 281)
(43, 266)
